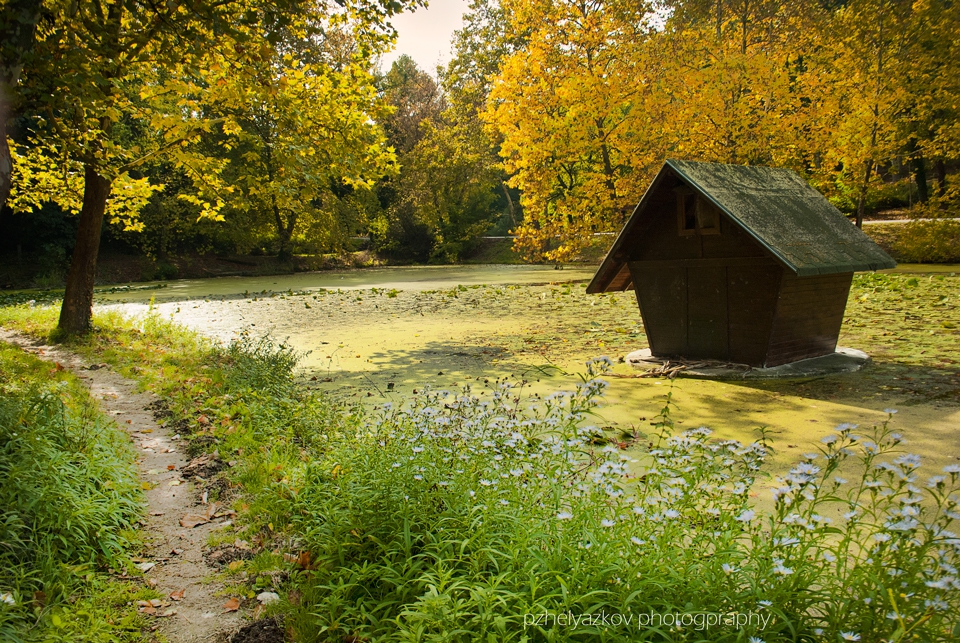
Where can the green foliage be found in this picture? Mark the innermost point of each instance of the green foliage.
(445, 196)
(70, 495)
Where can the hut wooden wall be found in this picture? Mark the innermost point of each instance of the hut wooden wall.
(662, 295)
(710, 308)
(660, 240)
(808, 317)
(702, 296)
(753, 291)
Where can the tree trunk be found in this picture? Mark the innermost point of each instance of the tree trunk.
(940, 171)
(920, 177)
(862, 198)
(6, 163)
(510, 209)
(284, 232)
(77, 309)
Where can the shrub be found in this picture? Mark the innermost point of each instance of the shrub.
(458, 518)
(933, 241)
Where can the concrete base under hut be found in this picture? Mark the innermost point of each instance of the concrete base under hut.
(843, 360)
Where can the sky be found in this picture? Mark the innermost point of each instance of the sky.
(425, 34)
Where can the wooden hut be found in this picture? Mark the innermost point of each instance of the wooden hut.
(738, 263)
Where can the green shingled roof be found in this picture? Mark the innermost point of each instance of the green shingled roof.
(789, 218)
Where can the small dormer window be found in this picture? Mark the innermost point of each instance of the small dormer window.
(708, 217)
(686, 211)
(695, 214)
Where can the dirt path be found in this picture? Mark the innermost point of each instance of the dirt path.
(192, 610)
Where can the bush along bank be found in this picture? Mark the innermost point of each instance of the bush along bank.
(464, 517)
(69, 501)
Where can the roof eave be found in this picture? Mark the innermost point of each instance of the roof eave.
(610, 266)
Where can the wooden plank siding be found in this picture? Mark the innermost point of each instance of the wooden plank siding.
(662, 296)
(708, 308)
(808, 316)
(707, 328)
(752, 298)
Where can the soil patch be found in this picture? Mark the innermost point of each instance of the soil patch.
(221, 557)
(266, 630)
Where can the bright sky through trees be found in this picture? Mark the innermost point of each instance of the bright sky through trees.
(425, 34)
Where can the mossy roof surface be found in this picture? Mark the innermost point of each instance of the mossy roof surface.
(788, 217)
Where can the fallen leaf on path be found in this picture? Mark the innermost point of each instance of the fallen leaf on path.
(145, 567)
(235, 565)
(176, 552)
(175, 483)
(169, 612)
(232, 605)
(193, 520)
(148, 610)
(177, 594)
(171, 467)
(212, 510)
(156, 513)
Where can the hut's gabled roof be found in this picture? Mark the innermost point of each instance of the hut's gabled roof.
(790, 219)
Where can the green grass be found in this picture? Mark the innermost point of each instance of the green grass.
(69, 498)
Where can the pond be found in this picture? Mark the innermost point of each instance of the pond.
(378, 335)
(394, 277)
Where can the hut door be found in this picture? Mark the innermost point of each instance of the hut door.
(707, 335)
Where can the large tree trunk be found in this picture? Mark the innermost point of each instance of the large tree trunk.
(18, 28)
(77, 306)
(510, 208)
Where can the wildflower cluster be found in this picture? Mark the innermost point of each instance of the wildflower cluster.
(453, 516)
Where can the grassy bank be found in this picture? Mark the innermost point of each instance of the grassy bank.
(69, 500)
(457, 518)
